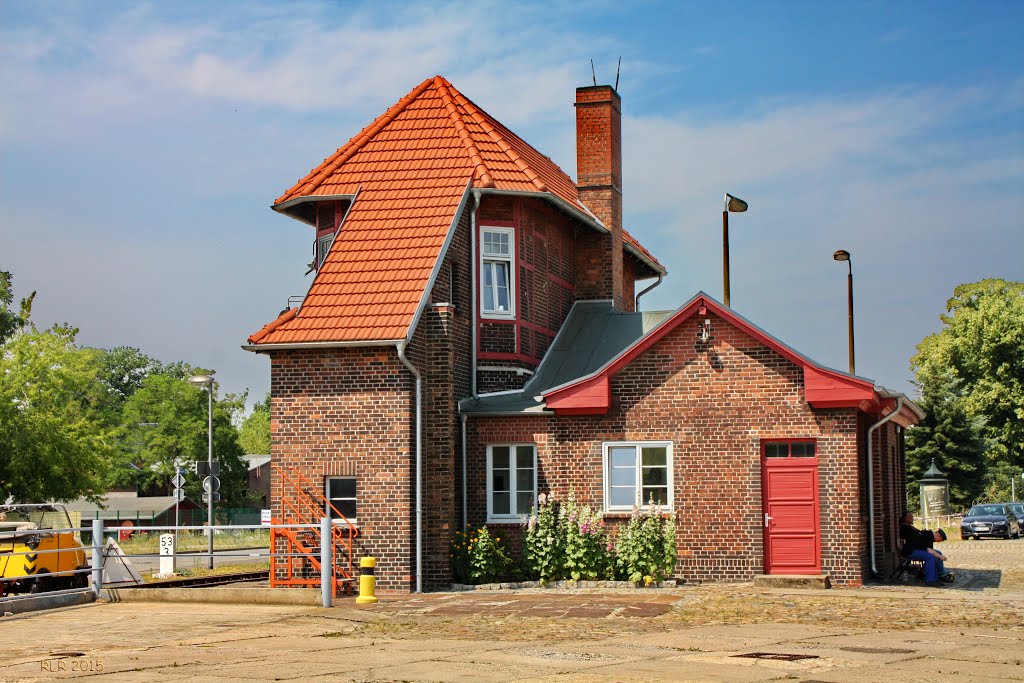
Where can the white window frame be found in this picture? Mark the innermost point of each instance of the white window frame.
(488, 261)
(637, 502)
(328, 512)
(323, 245)
(515, 514)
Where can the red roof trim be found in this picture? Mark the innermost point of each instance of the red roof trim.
(823, 387)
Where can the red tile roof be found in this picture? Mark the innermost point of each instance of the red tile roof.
(411, 168)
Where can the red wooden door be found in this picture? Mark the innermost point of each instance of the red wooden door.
(789, 481)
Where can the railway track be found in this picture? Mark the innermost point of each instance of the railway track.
(202, 581)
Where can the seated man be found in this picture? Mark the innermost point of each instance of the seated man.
(917, 545)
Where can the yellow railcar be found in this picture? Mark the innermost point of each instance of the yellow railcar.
(29, 535)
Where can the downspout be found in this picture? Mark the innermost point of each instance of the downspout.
(419, 463)
(473, 294)
(871, 484)
(636, 302)
(465, 511)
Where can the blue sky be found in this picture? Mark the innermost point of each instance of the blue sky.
(142, 144)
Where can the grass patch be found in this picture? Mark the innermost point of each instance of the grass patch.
(149, 543)
(191, 572)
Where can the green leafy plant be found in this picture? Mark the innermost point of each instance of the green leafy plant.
(565, 540)
(646, 547)
(479, 557)
(586, 550)
(542, 542)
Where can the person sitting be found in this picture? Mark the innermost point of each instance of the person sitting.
(918, 544)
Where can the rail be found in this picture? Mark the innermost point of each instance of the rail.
(35, 578)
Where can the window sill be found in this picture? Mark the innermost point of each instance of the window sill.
(626, 514)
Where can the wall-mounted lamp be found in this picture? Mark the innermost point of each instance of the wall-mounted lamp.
(704, 331)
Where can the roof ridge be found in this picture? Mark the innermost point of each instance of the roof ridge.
(314, 178)
(493, 134)
(480, 169)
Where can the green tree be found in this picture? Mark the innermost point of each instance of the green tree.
(166, 427)
(254, 433)
(953, 440)
(977, 359)
(124, 368)
(56, 442)
(11, 322)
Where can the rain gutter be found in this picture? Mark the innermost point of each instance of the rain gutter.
(871, 483)
(636, 304)
(419, 463)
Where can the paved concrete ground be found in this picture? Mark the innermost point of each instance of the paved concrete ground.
(973, 632)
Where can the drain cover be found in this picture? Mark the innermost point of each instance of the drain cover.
(780, 656)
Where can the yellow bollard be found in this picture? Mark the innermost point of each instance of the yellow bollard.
(367, 581)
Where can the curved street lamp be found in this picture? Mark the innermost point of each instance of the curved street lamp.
(208, 381)
(735, 205)
(843, 255)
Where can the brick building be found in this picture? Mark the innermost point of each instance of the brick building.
(472, 338)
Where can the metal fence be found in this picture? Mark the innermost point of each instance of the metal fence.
(95, 547)
(196, 517)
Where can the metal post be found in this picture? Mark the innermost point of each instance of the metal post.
(97, 556)
(849, 282)
(326, 562)
(725, 255)
(209, 503)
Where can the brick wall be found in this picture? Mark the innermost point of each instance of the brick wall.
(349, 412)
(890, 494)
(715, 403)
(544, 279)
(443, 335)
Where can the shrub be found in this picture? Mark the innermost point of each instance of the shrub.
(542, 544)
(566, 541)
(646, 548)
(479, 557)
(586, 550)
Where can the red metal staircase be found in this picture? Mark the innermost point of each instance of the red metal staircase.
(295, 553)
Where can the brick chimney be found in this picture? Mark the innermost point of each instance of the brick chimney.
(599, 181)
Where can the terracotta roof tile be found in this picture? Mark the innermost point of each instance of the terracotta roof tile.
(409, 170)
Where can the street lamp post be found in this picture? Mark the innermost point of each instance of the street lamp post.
(207, 381)
(735, 205)
(843, 255)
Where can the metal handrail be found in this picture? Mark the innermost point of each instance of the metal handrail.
(336, 534)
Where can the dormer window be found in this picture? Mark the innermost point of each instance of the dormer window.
(326, 226)
(497, 277)
(323, 245)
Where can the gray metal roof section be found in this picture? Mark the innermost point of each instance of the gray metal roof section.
(593, 334)
(110, 507)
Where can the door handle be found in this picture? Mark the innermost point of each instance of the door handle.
(767, 519)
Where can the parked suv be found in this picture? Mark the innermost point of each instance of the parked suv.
(990, 519)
